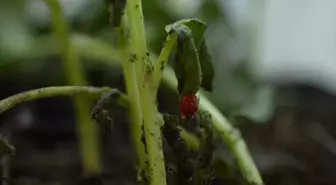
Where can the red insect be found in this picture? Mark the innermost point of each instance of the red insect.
(189, 105)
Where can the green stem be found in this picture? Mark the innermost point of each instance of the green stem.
(157, 175)
(144, 70)
(138, 37)
(87, 132)
(48, 92)
(133, 94)
(94, 92)
(235, 142)
(163, 59)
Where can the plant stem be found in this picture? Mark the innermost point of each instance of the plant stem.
(94, 92)
(86, 130)
(153, 138)
(138, 37)
(163, 59)
(232, 137)
(48, 92)
(144, 70)
(133, 94)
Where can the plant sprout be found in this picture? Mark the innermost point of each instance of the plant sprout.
(170, 148)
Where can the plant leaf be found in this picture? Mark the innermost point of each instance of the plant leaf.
(198, 28)
(206, 66)
(186, 62)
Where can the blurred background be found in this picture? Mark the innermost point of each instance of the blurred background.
(274, 79)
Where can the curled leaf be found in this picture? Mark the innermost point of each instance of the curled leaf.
(196, 26)
(186, 62)
(197, 29)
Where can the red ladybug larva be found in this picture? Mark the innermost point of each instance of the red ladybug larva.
(189, 105)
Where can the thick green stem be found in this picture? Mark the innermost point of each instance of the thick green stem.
(144, 70)
(157, 175)
(133, 94)
(86, 130)
(138, 37)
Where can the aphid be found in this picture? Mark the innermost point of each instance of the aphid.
(189, 105)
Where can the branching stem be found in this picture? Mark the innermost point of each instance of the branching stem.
(144, 70)
(163, 59)
(133, 93)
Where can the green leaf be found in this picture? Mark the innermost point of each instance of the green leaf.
(5, 148)
(206, 66)
(186, 62)
(198, 28)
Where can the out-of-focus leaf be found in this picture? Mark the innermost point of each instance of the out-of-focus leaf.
(210, 10)
(260, 108)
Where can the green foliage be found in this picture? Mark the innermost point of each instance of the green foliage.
(192, 63)
(186, 63)
(196, 26)
(207, 66)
